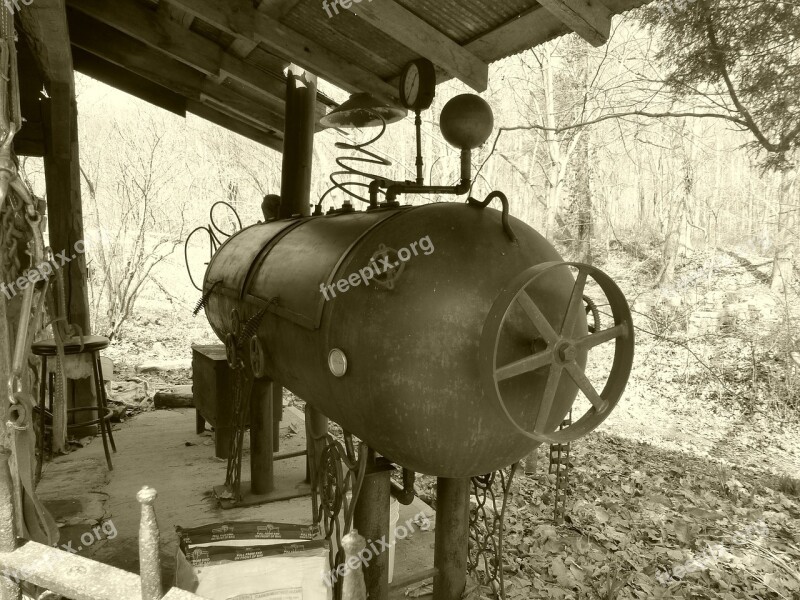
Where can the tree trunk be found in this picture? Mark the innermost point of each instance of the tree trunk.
(782, 267)
(669, 252)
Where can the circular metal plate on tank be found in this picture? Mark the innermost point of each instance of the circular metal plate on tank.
(337, 362)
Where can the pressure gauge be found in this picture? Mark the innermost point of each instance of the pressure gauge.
(418, 84)
(337, 362)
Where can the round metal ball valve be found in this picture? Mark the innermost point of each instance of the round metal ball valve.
(466, 121)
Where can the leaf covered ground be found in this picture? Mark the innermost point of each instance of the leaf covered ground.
(647, 523)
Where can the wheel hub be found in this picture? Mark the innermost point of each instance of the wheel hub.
(566, 352)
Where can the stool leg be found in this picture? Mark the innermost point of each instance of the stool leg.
(42, 387)
(101, 413)
(51, 392)
(104, 398)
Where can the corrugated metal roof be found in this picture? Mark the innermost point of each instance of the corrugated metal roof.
(464, 20)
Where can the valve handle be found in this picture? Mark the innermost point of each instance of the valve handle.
(562, 351)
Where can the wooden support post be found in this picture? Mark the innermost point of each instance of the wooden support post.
(62, 176)
(452, 538)
(261, 431)
(9, 590)
(65, 215)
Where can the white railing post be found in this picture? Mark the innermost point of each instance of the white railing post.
(149, 563)
(9, 589)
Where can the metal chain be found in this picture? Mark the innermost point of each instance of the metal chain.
(559, 466)
(487, 528)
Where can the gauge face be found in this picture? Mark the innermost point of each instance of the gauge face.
(411, 85)
(418, 84)
(337, 362)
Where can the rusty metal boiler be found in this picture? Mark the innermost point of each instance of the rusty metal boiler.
(457, 361)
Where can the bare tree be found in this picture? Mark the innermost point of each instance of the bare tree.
(133, 219)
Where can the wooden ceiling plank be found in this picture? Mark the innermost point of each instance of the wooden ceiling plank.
(167, 36)
(277, 9)
(590, 19)
(415, 34)
(525, 31)
(227, 122)
(134, 56)
(285, 42)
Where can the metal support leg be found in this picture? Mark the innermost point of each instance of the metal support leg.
(371, 520)
(42, 429)
(316, 429)
(199, 422)
(452, 538)
(261, 414)
(277, 416)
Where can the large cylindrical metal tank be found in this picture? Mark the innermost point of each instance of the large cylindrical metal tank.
(397, 362)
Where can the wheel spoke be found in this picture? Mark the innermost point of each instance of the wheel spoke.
(524, 365)
(579, 377)
(575, 304)
(535, 315)
(588, 342)
(550, 389)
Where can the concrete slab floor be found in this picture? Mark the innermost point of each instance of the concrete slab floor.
(161, 449)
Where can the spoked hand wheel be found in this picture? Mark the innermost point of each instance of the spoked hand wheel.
(563, 351)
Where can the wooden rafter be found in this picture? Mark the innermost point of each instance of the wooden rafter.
(590, 19)
(136, 57)
(233, 124)
(167, 36)
(240, 19)
(405, 27)
(128, 82)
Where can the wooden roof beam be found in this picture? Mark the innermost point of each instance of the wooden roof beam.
(233, 124)
(415, 34)
(240, 19)
(170, 37)
(128, 82)
(134, 56)
(590, 19)
(45, 27)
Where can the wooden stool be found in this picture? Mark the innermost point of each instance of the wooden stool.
(92, 344)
